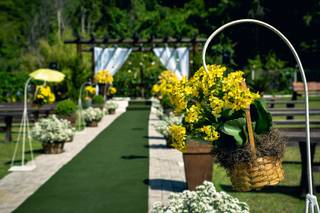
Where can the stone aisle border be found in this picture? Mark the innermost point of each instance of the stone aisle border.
(16, 187)
(166, 167)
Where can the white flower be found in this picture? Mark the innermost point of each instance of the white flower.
(52, 129)
(204, 200)
(162, 126)
(92, 114)
(111, 105)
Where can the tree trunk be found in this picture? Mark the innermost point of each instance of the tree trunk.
(83, 19)
(59, 19)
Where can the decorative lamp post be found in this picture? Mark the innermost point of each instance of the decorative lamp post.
(46, 75)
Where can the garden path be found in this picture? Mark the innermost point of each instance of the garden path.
(166, 167)
(16, 187)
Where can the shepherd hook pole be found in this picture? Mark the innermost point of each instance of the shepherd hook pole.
(311, 200)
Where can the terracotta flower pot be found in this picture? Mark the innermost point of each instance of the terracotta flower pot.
(92, 124)
(53, 148)
(198, 164)
(111, 111)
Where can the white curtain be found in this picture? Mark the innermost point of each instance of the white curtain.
(174, 59)
(110, 59)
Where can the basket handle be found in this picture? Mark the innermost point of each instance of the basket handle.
(249, 126)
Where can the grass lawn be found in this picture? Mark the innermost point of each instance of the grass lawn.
(281, 198)
(7, 150)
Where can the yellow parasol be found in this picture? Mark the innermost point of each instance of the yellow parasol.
(47, 75)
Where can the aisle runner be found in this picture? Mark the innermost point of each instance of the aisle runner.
(107, 176)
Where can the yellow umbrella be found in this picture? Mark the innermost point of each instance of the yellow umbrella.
(47, 75)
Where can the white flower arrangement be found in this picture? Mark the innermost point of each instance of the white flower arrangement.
(204, 199)
(52, 130)
(111, 105)
(92, 114)
(162, 126)
(157, 107)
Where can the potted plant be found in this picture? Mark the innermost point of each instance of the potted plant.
(111, 107)
(218, 109)
(53, 133)
(111, 91)
(90, 92)
(92, 116)
(104, 79)
(204, 199)
(43, 95)
(163, 127)
(163, 90)
(98, 101)
(66, 109)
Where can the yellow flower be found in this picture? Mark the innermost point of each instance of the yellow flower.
(210, 133)
(193, 114)
(166, 86)
(103, 77)
(44, 95)
(236, 95)
(155, 89)
(216, 105)
(178, 135)
(91, 90)
(112, 90)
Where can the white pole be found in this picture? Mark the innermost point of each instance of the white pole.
(310, 198)
(23, 130)
(80, 109)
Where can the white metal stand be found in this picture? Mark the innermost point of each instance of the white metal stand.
(23, 137)
(311, 200)
(80, 120)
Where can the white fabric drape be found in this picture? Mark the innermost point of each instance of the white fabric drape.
(110, 59)
(174, 59)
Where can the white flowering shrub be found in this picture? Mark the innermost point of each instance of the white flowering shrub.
(52, 130)
(162, 126)
(204, 200)
(92, 114)
(111, 105)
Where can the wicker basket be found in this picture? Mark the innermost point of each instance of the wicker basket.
(263, 171)
(260, 172)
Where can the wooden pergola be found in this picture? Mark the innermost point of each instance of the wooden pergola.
(137, 44)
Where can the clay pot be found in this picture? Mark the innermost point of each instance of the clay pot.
(198, 164)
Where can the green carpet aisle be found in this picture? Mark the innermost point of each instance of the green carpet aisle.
(107, 176)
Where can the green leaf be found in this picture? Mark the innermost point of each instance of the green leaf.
(261, 116)
(237, 129)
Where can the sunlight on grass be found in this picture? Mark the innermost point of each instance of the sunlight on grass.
(7, 150)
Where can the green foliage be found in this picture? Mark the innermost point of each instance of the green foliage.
(237, 129)
(130, 79)
(261, 117)
(32, 36)
(98, 100)
(12, 86)
(271, 74)
(76, 69)
(65, 108)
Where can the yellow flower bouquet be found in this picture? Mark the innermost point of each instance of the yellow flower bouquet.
(91, 91)
(215, 106)
(103, 77)
(209, 100)
(163, 89)
(43, 95)
(112, 90)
